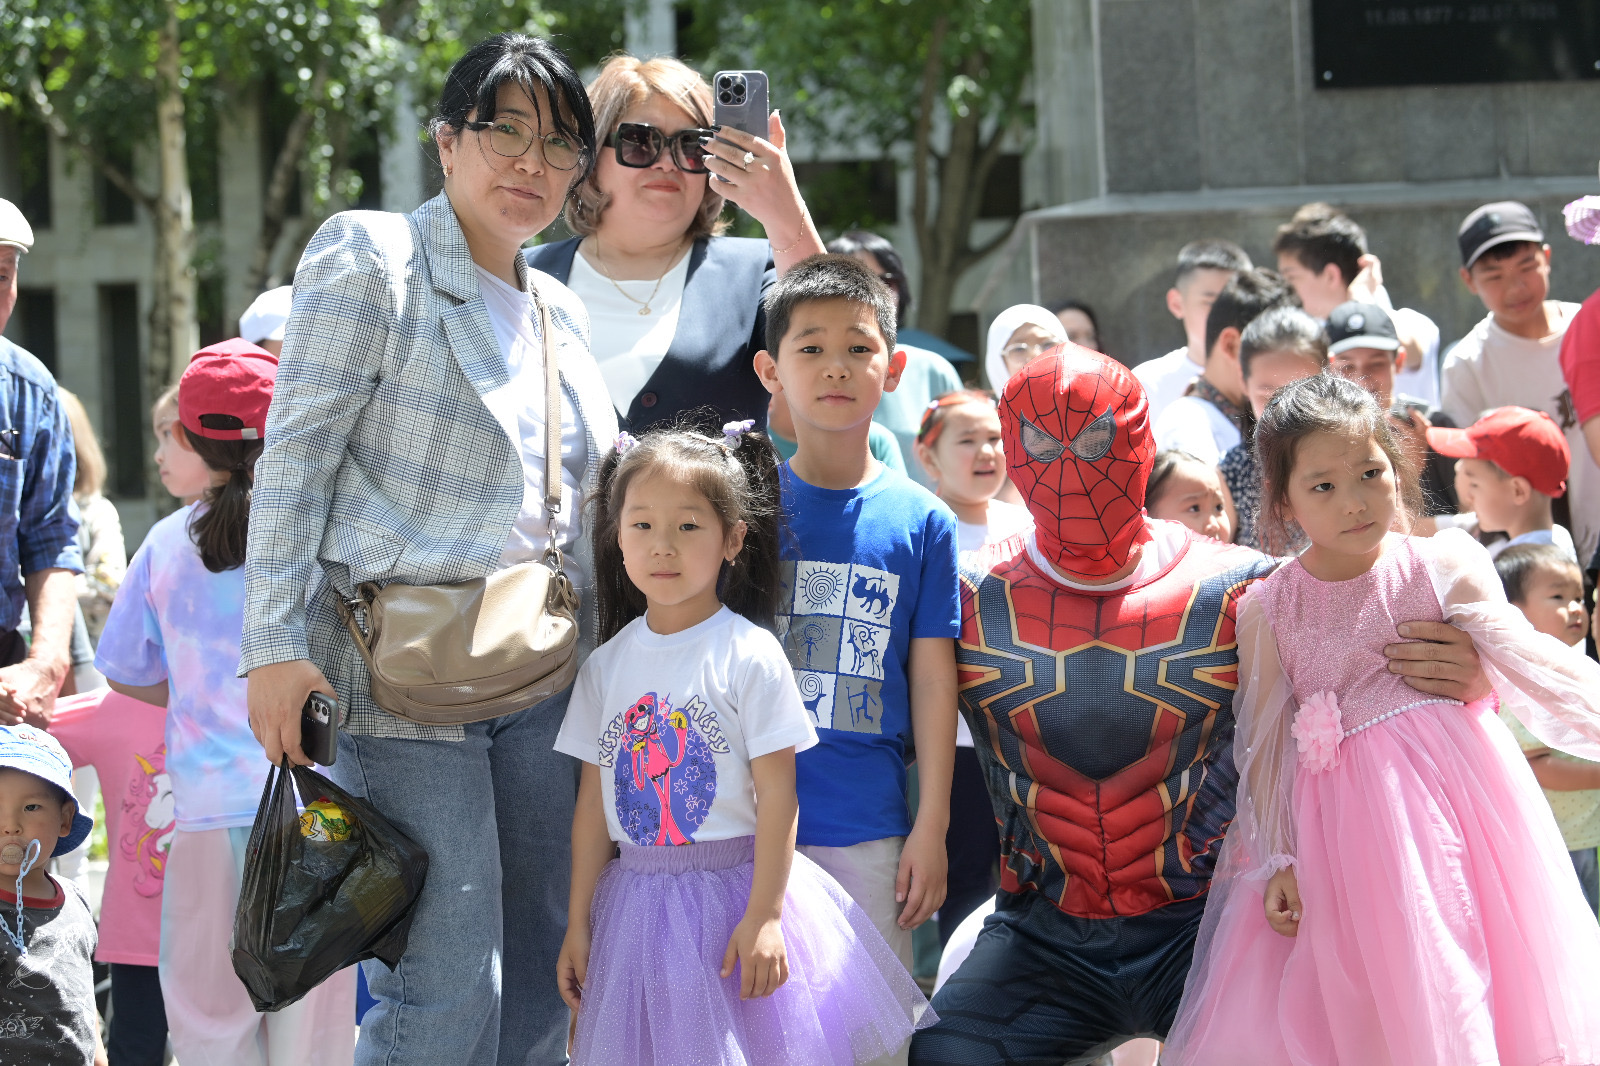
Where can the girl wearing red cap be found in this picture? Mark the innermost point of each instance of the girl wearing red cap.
(172, 639)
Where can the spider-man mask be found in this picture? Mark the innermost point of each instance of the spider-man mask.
(1079, 449)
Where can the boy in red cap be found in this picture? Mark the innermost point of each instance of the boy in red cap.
(172, 640)
(1514, 462)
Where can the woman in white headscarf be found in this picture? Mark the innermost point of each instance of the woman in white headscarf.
(1016, 336)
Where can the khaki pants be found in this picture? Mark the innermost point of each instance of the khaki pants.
(867, 871)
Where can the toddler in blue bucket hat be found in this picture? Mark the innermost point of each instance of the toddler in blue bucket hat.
(46, 972)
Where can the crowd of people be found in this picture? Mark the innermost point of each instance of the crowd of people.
(1242, 701)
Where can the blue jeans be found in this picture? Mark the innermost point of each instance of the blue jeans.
(494, 813)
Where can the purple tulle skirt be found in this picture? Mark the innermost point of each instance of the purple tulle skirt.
(662, 917)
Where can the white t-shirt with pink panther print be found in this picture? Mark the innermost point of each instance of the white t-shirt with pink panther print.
(673, 720)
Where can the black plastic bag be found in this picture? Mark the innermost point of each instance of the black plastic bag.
(321, 890)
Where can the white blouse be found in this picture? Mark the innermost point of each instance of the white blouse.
(627, 345)
(519, 408)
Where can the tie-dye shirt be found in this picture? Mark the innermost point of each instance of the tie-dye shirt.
(176, 621)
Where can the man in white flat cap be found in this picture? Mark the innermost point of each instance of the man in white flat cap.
(263, 321)
(38, 528)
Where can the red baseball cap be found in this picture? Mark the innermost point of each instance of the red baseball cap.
(226, 391)
(1521, 442)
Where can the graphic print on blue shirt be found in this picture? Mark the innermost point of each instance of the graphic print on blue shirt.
(867, 571)
(665, 777)
(838, 639)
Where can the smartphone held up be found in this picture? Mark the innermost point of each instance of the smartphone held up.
(741, 100)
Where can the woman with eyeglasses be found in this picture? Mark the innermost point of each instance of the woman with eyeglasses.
(406, 444)
(674, 307)
(1016, 336)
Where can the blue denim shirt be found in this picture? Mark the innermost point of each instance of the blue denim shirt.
(38, 524)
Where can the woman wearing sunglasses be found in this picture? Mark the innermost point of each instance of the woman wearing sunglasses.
(674, 307)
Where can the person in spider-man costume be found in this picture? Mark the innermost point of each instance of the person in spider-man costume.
(1097, 671)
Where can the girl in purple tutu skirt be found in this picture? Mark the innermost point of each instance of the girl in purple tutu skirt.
(707, 940)
(1393, 890)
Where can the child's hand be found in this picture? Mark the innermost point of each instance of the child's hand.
(757, 946)
(1283, 902)
(923, 877)
(572, 965)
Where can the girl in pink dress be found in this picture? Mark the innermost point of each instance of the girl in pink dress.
(1393, 889)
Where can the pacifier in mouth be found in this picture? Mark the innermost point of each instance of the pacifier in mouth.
(13, 854)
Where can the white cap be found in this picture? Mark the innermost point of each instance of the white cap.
(14, 229)
(264, 320)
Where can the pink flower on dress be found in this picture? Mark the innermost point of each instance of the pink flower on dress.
(1317, 731)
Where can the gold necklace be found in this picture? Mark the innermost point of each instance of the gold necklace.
(644, 305)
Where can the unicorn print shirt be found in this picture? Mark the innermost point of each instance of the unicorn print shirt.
(673, 720)
(175, 621)
(124, 740)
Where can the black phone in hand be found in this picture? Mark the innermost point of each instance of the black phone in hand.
(319, 728)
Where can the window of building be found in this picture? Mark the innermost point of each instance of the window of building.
(1002, 193)
(366, 160)
(33, 324)
(123, 377)
(25, 167)
(850, 194)
(112, 207)
(203, 155)
(209, 314)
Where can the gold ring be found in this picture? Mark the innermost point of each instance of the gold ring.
(749, 157)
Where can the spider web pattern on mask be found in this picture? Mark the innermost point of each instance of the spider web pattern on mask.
(1081, 509)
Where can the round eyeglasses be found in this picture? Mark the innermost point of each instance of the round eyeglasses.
(639, 145)
(511, 137)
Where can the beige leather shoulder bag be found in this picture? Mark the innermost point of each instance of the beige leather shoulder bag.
(451, 654)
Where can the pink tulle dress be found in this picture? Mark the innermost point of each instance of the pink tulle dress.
(1441, 921)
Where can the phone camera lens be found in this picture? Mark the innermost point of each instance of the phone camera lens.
(725, 96)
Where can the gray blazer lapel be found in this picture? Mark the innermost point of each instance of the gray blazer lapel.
(466, 326)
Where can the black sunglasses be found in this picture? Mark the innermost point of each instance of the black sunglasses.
(639, 145)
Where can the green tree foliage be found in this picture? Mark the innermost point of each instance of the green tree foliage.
(108, 75)
(945, 77)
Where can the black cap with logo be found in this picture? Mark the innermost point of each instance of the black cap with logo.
(1494, 224)
(1359, 325)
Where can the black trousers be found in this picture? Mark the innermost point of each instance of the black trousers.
(138, 1017)
(972, 842)
(1043, 988)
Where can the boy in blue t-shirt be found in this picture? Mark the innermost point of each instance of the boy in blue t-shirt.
(870, 610)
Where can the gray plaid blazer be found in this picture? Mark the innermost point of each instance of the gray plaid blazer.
(382, 462)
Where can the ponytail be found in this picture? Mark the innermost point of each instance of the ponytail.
(221, 530)
(737, 474)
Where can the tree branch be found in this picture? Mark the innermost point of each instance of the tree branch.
(975, 254)
(276, 206)
(85, 145)
(988, 155)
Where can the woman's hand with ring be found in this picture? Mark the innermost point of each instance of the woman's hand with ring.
(756, 174)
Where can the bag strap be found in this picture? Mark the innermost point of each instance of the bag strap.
(552, 414)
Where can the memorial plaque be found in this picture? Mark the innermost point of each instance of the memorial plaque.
(1366, 43)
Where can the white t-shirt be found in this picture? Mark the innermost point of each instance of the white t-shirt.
(1556, 534)
(1198, 427)
(674, 719)
(629, 346)
(1492, 368)
(1422, 380)
(519, 408)
(1005, 521)
(1164, 379)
